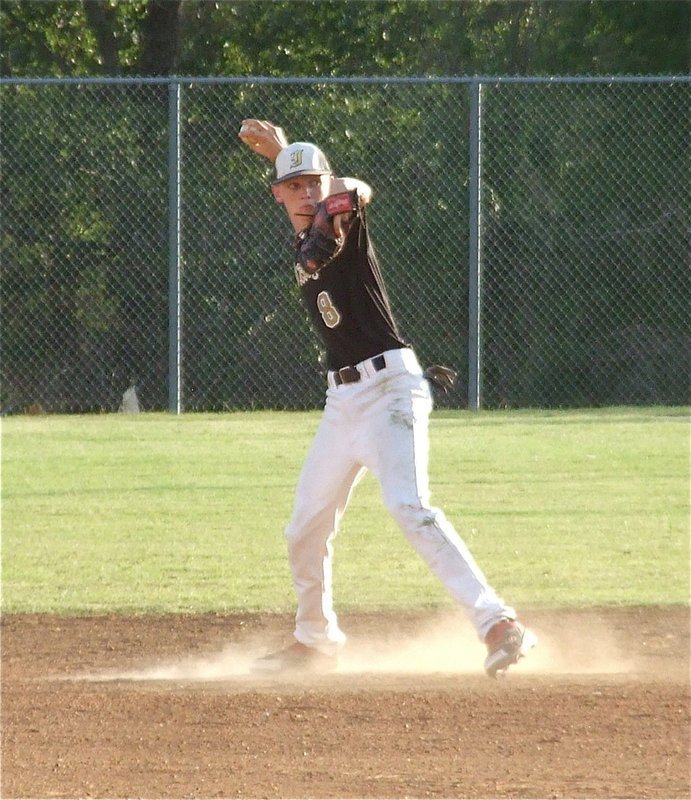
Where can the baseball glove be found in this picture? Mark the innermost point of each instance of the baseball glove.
(441, 378)
(323, 242)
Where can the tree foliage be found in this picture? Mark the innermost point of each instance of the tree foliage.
(85, 231)
(341, 37)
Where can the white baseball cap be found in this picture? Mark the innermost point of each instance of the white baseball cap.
(300, 158)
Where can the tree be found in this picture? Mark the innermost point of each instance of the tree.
(85, 195)
(93, 37)
(341, 37)
(160, 37)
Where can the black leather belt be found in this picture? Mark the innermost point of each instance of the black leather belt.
(352, 375)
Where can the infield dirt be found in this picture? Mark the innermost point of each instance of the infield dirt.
(167, 707)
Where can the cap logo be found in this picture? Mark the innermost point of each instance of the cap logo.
(296, 159)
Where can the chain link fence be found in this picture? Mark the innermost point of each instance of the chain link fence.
(533, 233)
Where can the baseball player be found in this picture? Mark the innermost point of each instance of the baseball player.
(378, 402)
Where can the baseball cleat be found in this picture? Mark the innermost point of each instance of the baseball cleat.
(507, 642)
(296, 658)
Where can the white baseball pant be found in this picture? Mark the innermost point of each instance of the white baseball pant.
(379, 423)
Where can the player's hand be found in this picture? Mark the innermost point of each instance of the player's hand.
(341, 222)
(364, 190)
(325, 238)
(263, 137)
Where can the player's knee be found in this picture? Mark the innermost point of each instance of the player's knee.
(406, 514)
(415, 518)
(297, 530)
(305, 525)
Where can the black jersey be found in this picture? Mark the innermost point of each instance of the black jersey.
(348, 303)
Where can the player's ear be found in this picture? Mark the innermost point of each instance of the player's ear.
(277, 193)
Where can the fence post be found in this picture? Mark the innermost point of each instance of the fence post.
(475, 262)
(174, 231)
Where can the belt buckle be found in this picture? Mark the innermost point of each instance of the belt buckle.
(348, 375)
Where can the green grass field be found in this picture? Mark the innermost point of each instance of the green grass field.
(160, 513)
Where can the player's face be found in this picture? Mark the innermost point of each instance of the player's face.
(300, 196)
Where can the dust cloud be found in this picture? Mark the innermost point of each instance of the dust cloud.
(448, 645)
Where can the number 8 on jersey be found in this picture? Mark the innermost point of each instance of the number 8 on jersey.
(330, 314)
